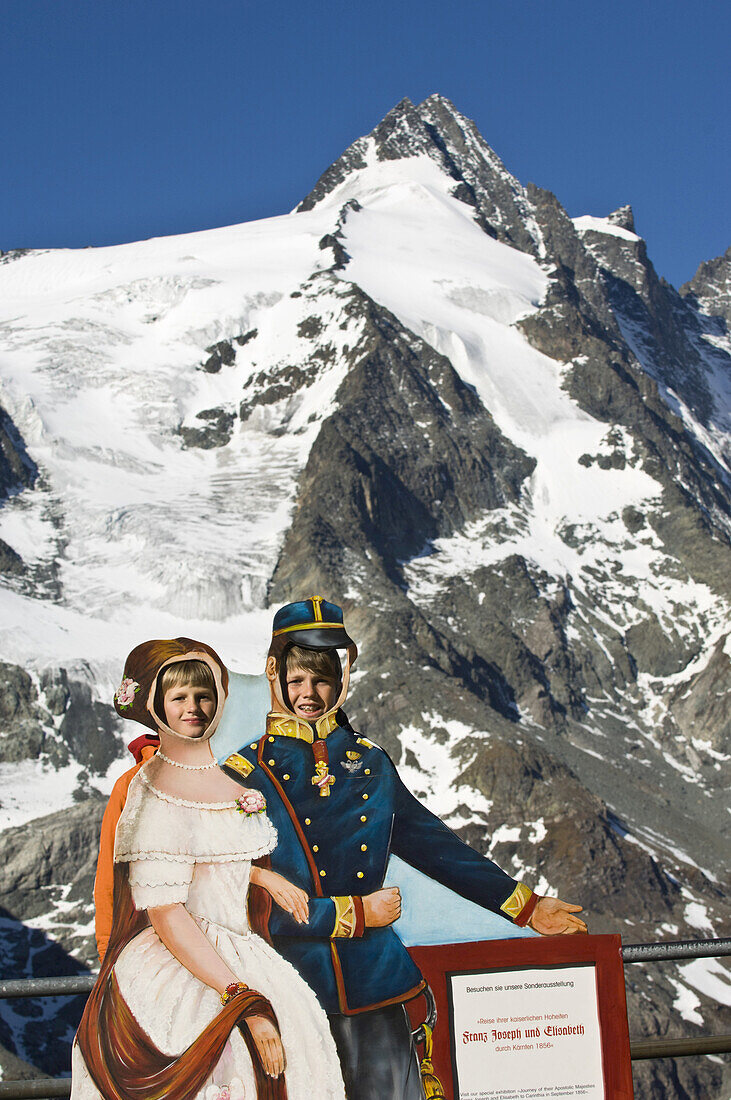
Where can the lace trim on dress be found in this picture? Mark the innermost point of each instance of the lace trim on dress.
(152, 897)
(156, 872)
(154, 826)
(182, 857)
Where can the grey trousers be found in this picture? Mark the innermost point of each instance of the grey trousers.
(377, 1056)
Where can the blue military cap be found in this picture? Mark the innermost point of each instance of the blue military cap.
(313, 623)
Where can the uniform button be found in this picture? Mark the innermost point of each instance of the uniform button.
(307, 821)
(271, 763)
(367, 771)
(359, 875)
(322, 874)
(363, 817)
(364, 796)
(285, 777)
(271, 738)
(364, 847)
(253, 745)
(315, 848)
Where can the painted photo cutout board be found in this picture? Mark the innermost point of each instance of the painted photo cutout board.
(430, 913)
(529, 1019)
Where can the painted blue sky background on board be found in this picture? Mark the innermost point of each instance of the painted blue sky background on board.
(125, 121)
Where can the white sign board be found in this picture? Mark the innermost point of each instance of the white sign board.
(530, 1033)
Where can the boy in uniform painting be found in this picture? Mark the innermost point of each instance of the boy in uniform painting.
(340, 810)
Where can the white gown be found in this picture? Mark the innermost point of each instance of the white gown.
(200, 854)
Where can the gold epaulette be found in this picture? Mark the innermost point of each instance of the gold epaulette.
(238, 763)
(517, 901)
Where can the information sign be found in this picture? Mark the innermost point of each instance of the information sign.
(530, 1019)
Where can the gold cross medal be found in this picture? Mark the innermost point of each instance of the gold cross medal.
(322, 777)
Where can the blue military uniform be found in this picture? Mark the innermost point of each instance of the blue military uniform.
(337, 847)
(340, 810)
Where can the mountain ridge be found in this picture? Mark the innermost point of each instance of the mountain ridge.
(487, 429)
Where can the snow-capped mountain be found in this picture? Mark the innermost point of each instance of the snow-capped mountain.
(488, 430)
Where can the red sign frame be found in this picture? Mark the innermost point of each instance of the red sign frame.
(603, 952)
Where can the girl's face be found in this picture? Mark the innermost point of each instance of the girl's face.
(188, 709)
(310, 695)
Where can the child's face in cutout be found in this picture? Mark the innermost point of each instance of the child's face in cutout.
(188, 710)
(310, 694)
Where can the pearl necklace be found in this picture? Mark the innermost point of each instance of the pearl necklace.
(187, 767)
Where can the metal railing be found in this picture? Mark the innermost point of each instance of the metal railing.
(43, 1088)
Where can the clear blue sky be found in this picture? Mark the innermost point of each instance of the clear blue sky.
(124, 119)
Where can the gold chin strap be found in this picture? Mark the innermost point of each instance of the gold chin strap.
(287, 724)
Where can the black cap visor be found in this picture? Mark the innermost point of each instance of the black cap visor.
(320, 638)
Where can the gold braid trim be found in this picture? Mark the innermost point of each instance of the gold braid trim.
(345, 919)
(308, 626)
(517, 901)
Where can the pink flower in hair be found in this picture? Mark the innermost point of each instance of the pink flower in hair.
(253, 802)
(125, 693)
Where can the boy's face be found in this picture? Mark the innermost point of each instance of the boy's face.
(310, 694)
(188, 710)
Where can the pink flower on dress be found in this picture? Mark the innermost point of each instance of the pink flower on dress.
(253, 802)
(125, 693)
(234, 1091)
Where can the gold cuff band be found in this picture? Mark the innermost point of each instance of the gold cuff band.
(517, 901)
(345, 919)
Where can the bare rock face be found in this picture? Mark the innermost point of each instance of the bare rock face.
(656, 650)
(57, 854)
(47, 870)
(623, 217)
(54, 720)
(90, 729)
(215, 430)
(11, 562)
(18, 471)
(710, 288)
(410, 454)
(22, 732)
(700, 705)
(223, 353)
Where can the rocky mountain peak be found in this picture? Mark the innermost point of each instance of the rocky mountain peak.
(488, 430)
(623, 217)
(436, 129)
(710, 287)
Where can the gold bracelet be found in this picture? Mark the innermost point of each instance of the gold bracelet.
(232, 990)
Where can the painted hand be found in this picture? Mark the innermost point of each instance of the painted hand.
(382, 907)
(552, 917)
(288, 896)
(268, 1044)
